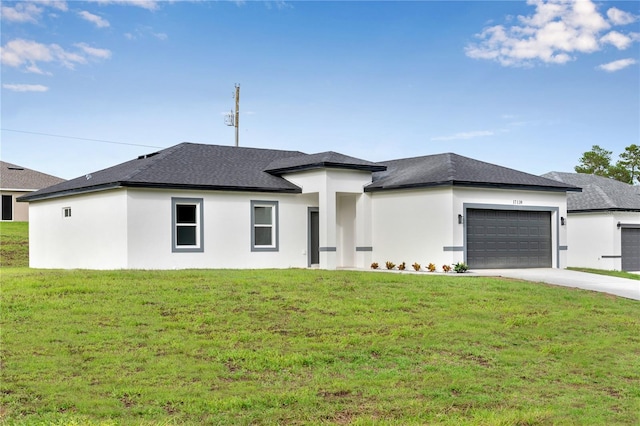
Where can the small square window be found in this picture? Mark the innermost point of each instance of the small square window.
(66, 212)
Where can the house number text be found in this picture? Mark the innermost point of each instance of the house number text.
(517, 202)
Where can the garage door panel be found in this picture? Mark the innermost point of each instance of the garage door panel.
(630, 245)
(508, 238)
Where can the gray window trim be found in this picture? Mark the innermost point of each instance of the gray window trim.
(199, 202)
(276, 225)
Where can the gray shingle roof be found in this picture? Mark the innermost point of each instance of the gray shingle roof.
(453, 169)
(214, 167)
(18, 177)
(598, 193)
(187, 165)
(328, 159)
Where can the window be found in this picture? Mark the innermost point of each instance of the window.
(7, 207)
(187, 231)
(264, 226)
(66, 212)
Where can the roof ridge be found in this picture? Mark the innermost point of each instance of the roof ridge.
(604, 195)
(452, 166)
(162, 154)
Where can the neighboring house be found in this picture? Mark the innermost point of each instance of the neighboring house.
(603, 225)
(16, 181)
(208, 206)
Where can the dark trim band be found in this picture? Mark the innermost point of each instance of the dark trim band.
(327, 249)
(453, 248)
(364, 248)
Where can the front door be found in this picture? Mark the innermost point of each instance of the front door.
(314, 236)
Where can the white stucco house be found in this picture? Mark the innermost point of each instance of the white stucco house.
(16, 181)
(603, 222)
(208, 206)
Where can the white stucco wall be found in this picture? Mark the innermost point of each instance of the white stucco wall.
(94, 237)
(594, 239)
(412, 226)
(421, 225)
(227, 231)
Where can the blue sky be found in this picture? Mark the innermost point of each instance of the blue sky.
(529, 85)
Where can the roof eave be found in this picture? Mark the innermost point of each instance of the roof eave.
(476, 185)
(326, 165)
(290, 190)
(604, 210)
(68, 192)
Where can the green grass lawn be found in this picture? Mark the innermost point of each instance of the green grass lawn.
(621, 274)
(307, 347)
(14, 244)
(312, 347)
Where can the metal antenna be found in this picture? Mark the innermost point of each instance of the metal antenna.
(233, 119)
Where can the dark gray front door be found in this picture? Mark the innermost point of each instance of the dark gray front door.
(630, 249)
(508, 239)
(314, 237)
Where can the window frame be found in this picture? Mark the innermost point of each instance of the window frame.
(275, 226)
(66, 212)
(199, 225)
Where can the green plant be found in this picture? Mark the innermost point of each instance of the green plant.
(431, 267)
(460, 267)
(402, 266)
(446, 268)
(374, 265)
(390, 265)
(416, 266)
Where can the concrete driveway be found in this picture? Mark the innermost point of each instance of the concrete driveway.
(613, 285)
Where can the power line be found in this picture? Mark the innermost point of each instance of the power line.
(81, 139)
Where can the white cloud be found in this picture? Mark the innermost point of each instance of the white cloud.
(94, 51)
(143, 32)
(555, 33)
(145, 4)
(617, 39)
(617, 65)
(620, 17)
(26, 87)
(56, 4)
(21, 12)
(464, 135)
(29, 11)
(94, 19)
(28, 53)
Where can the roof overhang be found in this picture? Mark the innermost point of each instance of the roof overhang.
(603, 210)
(326, 165)
(466, 184)
(96, 188)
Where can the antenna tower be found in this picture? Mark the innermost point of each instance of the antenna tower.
(233, 119)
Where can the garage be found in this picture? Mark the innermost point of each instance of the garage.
(630, 242)
(508, 239)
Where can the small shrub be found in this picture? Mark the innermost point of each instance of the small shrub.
(402, 266)
(374, 265)
(431, 267)
(446, 268)
(390, 265)
(416, 266)
(460, 267)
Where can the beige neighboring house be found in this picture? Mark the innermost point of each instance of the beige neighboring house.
(16, 181)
